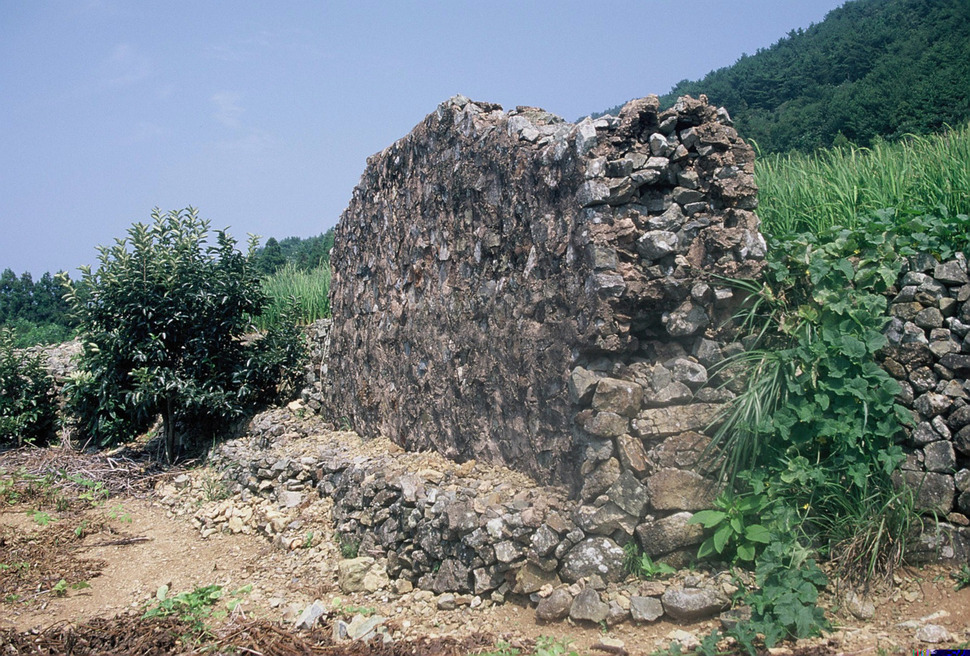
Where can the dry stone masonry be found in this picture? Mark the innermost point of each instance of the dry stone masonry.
(929, 354)
(524, 291)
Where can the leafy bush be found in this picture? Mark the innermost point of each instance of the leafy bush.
(738, 530)
(28, 404)
(167, 324)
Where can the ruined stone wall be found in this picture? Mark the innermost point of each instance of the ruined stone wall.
(929, 354)
(520, 290)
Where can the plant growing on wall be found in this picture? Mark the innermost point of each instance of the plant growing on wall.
(166, 321)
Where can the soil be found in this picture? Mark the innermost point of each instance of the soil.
(84, 553)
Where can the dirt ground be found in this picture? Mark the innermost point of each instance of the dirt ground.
(84, 554)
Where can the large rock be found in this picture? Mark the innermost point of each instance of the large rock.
(678, 489)
(588, 607)
(646, 609)
(669, 534)
(599, 556)
(555, 607)
(351, 573)
(692, 604)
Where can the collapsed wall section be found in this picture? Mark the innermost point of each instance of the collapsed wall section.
(513, 288)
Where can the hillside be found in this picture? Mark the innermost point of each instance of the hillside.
(872, 68)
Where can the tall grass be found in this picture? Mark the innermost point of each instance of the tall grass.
(305, 292)
(846, 185)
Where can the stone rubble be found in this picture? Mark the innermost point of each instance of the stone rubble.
(417, 526)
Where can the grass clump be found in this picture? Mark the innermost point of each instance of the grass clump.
(845, 186)
(296, 294)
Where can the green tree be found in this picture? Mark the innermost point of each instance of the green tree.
(271, 259)
(167, 325)
(27, 398)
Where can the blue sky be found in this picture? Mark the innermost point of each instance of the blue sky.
(262, 114)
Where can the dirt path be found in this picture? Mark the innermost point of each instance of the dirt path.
(114, 553)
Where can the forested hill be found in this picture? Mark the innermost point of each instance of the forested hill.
(871, 68)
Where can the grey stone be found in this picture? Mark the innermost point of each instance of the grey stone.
(677, 489)
(310, 615)
(924, 433)
(582, 385)
(934, 492)
(606, 424)
(629, 494)
(931, 404)
(656, 244)
(588, 607)
(670, 220)
(596, 555)
(939, 457)
(606, 519)
(452, 576)
(668, 534)
(619, 396)
(603, 477)
(692, 604)
(861, 607)
(933, 634)
(928, 318)
(445, 601)
(351, 573)
(544, 540)
(585, 137)
(676, 393)
(683, 196)
(646, 609)
(532, 578)
(951, 273)
(962, 480)
(692, 374)
(555, 607)
(686, 320)
(632, 455)
(958, 363)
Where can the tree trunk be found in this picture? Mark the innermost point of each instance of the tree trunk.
(168, 422)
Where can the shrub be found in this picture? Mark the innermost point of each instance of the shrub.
(28, 408)
(166, 322)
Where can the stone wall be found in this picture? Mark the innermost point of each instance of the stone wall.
(929, 353)
(525, 291)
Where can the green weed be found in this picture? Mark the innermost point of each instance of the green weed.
(42, 518)
(962, 577)
(641, 565)
(349, 546)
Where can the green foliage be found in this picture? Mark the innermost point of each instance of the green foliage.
(737, 530)
(166, 321)
(846, 186)
(28, 405)
(349, 546)
(784, 604)
(872, 68)
(36, 311)
(829, 420)
(194, 608)
(296, 295)
(641, 565)
(962, 577)
(303, 254)
(41, 518)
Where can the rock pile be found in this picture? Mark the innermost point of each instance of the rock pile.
(418, 525)
(929, 354)
(515, 289)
